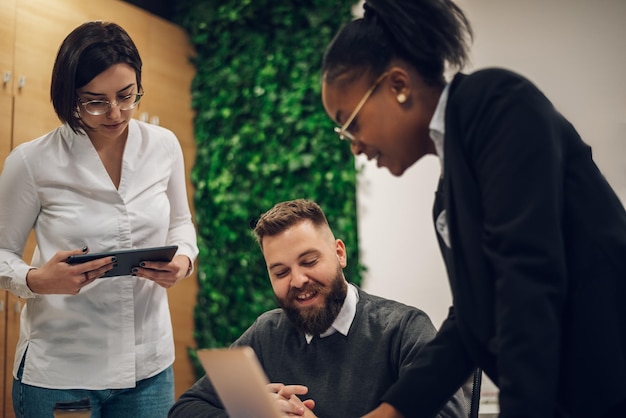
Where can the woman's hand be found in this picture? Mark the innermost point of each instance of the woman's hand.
(57, 277)
(164, 273)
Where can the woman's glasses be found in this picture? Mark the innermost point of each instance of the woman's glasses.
(100, 107)
(342, 131)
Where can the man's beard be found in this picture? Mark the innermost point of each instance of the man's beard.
(314, 320)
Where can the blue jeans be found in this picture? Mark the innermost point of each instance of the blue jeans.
(150, 398)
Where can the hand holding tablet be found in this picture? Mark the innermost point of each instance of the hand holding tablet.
(128, 259)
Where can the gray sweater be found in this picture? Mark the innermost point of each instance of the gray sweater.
(346, 375)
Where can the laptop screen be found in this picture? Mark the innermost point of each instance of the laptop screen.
(240, 382)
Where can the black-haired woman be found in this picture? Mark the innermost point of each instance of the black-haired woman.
(100, 182)
(533, 237)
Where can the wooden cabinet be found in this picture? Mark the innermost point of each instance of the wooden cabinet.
(12, 307)
(3, 350)
(7, 45)
(30, 35)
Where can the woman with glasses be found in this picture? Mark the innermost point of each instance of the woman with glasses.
(533, 237)
(102, 181)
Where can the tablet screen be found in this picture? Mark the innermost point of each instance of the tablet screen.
(128, 259)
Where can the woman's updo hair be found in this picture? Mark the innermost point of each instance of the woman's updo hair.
(428, 34)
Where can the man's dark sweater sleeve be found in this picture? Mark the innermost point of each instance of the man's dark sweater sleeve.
(441, 367)
(199, 401)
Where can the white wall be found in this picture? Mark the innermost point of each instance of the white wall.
(574, 50)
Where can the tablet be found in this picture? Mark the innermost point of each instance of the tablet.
(127, 259)
(240, 382)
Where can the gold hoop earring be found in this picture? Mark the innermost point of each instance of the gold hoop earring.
(401, 98)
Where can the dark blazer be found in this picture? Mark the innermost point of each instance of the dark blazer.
(537, 265)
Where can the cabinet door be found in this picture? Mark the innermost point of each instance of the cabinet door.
(38, 34)
(167, 81)
(6, 361)
(13, 309)
(3, 350)
(7, 46)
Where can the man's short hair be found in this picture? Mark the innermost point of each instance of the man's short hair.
(284, 215)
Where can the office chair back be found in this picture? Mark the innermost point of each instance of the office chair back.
(475, 398)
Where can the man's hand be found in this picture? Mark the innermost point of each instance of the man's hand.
(288, 401)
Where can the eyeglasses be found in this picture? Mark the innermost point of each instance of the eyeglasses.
(100, 107)
(342, 131)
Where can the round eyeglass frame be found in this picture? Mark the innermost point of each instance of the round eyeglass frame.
(133, 105)
(342, 131)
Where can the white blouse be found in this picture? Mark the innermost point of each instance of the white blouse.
(116, 331)
(437, 134)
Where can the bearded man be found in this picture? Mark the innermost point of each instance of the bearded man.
(331, 349)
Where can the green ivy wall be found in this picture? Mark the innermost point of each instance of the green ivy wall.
(262, 137)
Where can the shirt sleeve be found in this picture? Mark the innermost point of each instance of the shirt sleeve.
(182, 231)
(20, 208)
(432, 371)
